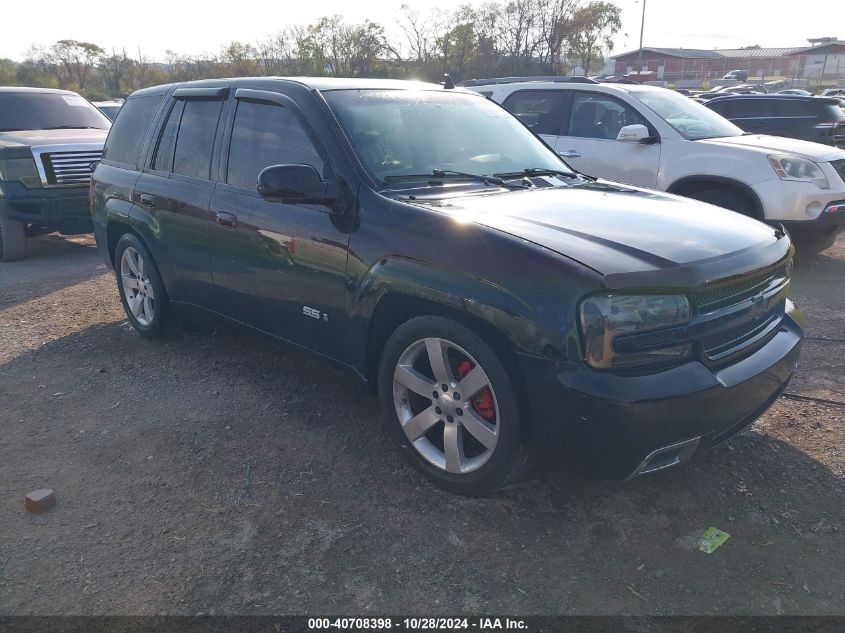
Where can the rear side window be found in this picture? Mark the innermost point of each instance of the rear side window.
(795, 108)
(266, 134)
(130, 128)
(163, 160)
(541, 110)
(195, 140)
(745, 108)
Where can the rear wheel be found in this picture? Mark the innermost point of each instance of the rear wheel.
(139, 284)
(12, 239)
(450, 405)
(726, 199)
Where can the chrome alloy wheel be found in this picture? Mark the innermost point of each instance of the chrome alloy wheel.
(446, 405)
(137, 287)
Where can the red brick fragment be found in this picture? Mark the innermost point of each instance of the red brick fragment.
(39, 501)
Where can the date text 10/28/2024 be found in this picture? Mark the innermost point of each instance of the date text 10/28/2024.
(417, 624)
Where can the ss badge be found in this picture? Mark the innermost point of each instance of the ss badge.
(314, 313)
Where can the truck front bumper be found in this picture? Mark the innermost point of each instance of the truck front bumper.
(62, 209)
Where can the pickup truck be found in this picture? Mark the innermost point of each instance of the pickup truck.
(50, 143)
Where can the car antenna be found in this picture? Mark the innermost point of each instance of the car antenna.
(447, 82)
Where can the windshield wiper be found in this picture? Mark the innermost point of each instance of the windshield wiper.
(441, 174)
(73, 127)
(538, 171)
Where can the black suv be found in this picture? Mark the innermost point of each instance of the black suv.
(817, 119)
(502, 305)
(50, 141)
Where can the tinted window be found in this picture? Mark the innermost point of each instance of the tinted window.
(747, 108)
(538, 109)
(130, 128)
(163, 160)
(795, 108)
(195, 140)
(264, 135)
(600, 116)
(48, 111)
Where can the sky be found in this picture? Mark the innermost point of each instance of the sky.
(198, 27)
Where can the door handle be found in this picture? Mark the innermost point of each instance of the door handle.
(148, 200)
(227, 220)
(570, 153)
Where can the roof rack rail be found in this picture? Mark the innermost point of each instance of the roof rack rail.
(512, 80)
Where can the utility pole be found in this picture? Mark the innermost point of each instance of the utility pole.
(642, 28)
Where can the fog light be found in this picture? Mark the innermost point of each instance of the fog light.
(814, 208)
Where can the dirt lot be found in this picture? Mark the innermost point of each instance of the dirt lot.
(218, 472)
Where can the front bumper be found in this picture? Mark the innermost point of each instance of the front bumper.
(613, 427)
(823, 230)
(799, 202)
(63, 209)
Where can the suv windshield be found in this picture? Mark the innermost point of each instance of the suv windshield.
(48, 111)
(407, 132)
(691, 119)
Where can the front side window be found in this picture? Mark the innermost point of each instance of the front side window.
(129, 130)
(540, 110)
(400, 133)
(689, 118)
(600, 116)
(195, 140)
(48, 111)
(263, 135)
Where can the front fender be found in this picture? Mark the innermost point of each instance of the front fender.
(529, 329)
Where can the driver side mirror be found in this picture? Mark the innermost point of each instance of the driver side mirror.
(637, 133)
(298, 184)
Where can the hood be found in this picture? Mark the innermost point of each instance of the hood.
(779, 144)
(51, 137)
(627, 232)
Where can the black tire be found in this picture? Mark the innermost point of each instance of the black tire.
(162, 312)
(508, 459)
(727, 200)
(12, 239)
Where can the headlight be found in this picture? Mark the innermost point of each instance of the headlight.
(20, 169)
(604, 318)
(796, 168)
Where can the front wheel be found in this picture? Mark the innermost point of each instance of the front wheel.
(725, 199)
(141, 289)
(12, 239)
(450, 405)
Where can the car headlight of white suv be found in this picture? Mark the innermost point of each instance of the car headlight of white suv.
(789, 167)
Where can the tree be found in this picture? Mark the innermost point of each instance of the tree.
(115, 69)
(593, 28)
(74, 61)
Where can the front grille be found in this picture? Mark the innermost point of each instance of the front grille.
(726, 342)
(69, 168)
(839, 165)
(721, 295)
(735, 314)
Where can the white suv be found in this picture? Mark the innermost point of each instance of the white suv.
(659, 139)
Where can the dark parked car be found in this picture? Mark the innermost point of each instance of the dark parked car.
(109, 108)
(49, 142)
(817, 119)
(502, 305)
(739, 75)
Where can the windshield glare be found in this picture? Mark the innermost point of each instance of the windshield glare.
(693, 120)
(44, 111)
(405, 132)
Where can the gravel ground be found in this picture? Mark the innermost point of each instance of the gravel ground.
(219, 472)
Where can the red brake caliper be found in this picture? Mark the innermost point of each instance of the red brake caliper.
(483, 400)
